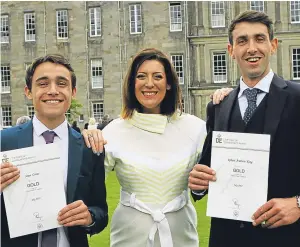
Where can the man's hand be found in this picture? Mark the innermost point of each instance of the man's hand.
(75, 214)
(94, 139)
(220, 94)
(277, 212)
(200, 176)
(9, 174)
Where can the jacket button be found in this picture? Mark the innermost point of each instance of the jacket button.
(242, 225)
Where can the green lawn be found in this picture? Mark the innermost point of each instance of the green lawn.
(113, 191)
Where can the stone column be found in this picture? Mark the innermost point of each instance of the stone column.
(202, 65)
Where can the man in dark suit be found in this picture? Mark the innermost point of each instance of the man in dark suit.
(262, 103)
(51, 84)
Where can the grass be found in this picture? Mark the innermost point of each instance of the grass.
(113, 193)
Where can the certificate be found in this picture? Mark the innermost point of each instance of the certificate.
(241, 162)
(33, 201)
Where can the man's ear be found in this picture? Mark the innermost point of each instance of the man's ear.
(274, 44)
(230, 50)
(27, 92)
(74, 90)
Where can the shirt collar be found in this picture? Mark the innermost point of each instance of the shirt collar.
(264, 84)
(39, 128)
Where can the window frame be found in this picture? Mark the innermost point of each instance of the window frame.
(215, 15)
(295, 10)
(30, 111)
(65, 11)
(183, 104)
(174, 59)
(96, 24)
(27, 24)
(295, 71)
(100, 76)
(7, 31)
(172, 16)
(215, 54)
(81, 118)
(2, 116)
(257, 7)
(135, 21)
(100, 114)
(8, 81)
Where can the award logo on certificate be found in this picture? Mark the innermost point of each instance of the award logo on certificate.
(241, 162)
(33, 201)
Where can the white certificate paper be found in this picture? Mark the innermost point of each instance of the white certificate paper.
(33, 201)
(241, 162)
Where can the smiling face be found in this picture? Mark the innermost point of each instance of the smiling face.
(151, 86)
(252, 49)
(51, 93)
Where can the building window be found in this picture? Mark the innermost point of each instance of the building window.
(219, 67)
(97, 111)
(175, 17)
(217, 14)
(27, 65)
(29, 25)
(257, 6)
(5, 79)
(135, 14)
(4, 29)
(95, 22)
(6, 116)
(62, 24)
(68, 115)
(81, 118)
(182, 103)
(96, 73)
(296, 63)
(177, 61)
(30, 111)
(295, 11)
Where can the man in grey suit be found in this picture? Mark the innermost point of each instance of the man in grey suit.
(263, 103)
(51, 84)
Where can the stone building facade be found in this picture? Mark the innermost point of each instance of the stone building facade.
(100, 38)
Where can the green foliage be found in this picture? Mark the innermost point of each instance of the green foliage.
(74, 110)
(113, 197)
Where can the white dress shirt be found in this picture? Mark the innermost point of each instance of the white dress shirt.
(62, 136)
(264, 85)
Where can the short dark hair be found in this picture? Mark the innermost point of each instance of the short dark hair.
(251, 16)
(52, 58)
(172, 100)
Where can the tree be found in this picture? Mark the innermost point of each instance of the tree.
(74, 110)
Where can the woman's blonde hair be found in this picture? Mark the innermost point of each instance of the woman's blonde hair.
(172, 101)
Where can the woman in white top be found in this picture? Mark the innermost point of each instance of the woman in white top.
(152, 147)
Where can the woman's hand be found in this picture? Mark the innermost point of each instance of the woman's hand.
(220, 94)
(94, 139)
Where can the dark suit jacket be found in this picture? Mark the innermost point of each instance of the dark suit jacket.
(282, 122)
(85, 181)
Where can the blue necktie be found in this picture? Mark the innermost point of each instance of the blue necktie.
(251, 95)
(49, 237)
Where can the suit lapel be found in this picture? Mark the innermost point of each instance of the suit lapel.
(25, 135)
(275, 106)
(74, 163)
(222, 119)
